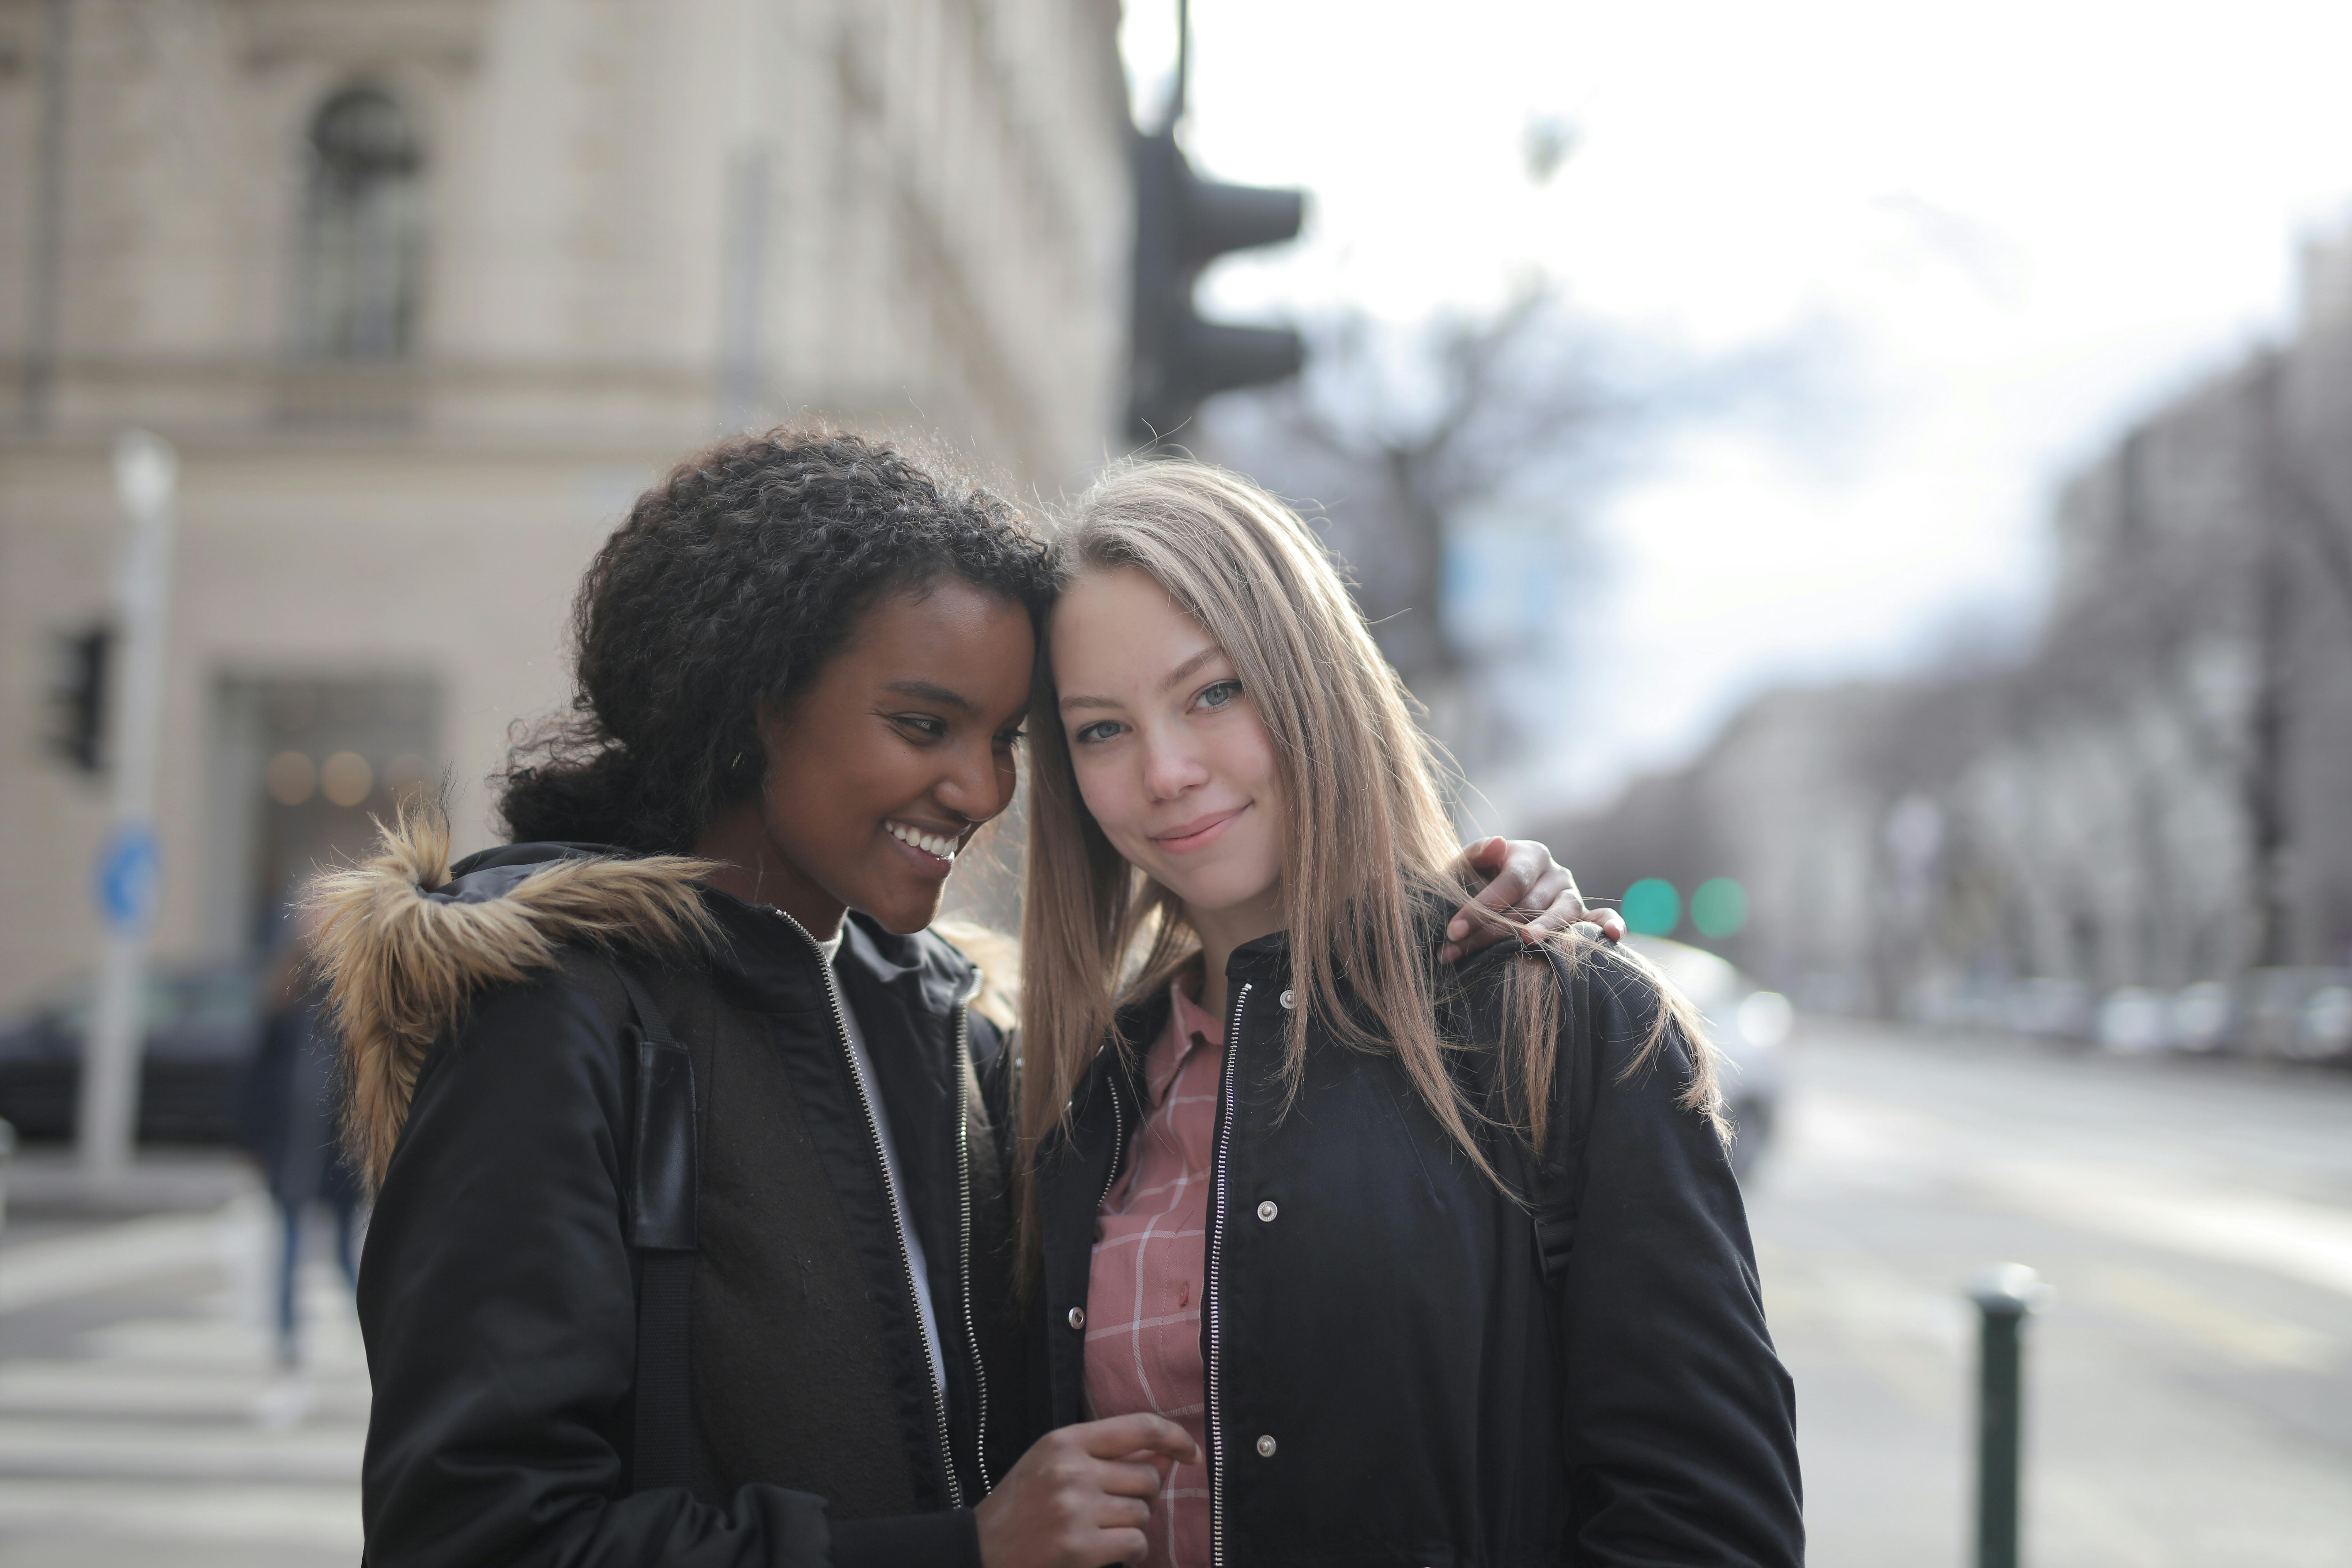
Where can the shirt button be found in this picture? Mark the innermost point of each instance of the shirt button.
(1265, 1447)
(1291, 998)
(1078, 1317)
(1267, 1211)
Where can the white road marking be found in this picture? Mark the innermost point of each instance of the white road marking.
(182, 1429)
(324, 1517)
(2250, 1339)
(35, 1273)
(1844, 1139)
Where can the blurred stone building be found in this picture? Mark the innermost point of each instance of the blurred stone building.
(2158, 795)
(425, 293)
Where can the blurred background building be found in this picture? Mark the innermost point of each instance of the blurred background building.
(424, 294)
(2111, 834)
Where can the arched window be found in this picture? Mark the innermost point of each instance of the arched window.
(363, 241)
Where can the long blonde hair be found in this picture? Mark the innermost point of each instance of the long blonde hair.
(1367, 845)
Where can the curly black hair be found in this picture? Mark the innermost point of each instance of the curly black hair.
(731, 583)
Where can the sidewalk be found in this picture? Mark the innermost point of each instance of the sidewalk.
(143, 1418)
(45, 1183)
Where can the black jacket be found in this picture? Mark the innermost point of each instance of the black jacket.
(497, 1293)
(1391, 1378)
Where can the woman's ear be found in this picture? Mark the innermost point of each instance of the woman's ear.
(768, 722)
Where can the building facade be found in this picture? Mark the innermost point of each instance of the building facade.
(425, 293)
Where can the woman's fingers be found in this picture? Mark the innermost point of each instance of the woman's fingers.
(1120, 1436)
(1529, 893)
(1129, 1480)
(1475, 925)
(1518, 867)
(1082, 1495)
(1561, 906)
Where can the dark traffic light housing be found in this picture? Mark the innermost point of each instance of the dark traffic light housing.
(78, 696)
(1183, 223)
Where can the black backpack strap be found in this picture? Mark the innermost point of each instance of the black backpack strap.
(664, 1175)
(1560, 1170)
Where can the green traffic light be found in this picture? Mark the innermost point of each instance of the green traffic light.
(1719, 907)
(1651, 907)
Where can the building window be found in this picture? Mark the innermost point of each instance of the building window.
(363, 227)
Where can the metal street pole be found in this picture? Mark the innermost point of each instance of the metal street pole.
(146, 479)
(2004, 1294)
(1181, 91)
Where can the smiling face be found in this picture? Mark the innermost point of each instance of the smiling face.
(1169, 751)
(884, 767)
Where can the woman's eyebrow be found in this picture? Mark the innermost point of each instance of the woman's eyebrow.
(1189, 665)
(1174, 677)
(932, 692)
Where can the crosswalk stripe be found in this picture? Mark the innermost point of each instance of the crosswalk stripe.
(181, 1428)
(208, 1512)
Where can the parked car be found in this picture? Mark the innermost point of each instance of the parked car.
(1750, 1024)
(203, 1028)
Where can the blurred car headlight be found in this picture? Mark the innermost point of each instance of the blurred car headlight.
(1765, 1018)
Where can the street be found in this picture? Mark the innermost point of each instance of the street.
(2189, 1386)
(143, 1417)
(2189, 1391)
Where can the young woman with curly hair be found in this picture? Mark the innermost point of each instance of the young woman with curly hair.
(691, 1243)
(1437, 1265)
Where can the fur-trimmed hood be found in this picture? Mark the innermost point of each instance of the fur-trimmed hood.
(403, 946)
(403, 950)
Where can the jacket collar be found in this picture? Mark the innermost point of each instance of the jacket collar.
(1265, 958)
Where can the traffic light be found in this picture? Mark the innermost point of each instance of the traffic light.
(1183, 223)
(78, 696)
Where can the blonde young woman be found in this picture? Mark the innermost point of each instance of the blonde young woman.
(1438, 1265)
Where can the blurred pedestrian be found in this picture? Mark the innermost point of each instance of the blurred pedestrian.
(1435, 1267)
(288, 1117)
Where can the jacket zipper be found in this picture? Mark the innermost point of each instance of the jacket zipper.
(890, 1193)
(1216, 1261)
(1117, 1142)
(964, 1203)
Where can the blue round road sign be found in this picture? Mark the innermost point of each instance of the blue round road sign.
(126, 877)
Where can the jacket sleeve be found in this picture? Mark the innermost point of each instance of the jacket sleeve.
(1681, 1422)
(498, 1308)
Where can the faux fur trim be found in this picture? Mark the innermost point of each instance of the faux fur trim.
(401, 967)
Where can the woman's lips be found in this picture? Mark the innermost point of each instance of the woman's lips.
(1198, 834)
(923, 857)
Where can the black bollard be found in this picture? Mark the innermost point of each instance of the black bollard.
(2004, 1294)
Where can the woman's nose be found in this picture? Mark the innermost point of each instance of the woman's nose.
(1171, 767)
(975, 785)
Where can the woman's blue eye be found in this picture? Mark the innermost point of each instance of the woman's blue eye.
(1100, 729)
(1222, 692)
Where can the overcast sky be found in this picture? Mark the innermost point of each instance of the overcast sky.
(2023, 223)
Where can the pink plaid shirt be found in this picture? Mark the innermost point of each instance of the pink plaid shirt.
(1143, 1298)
